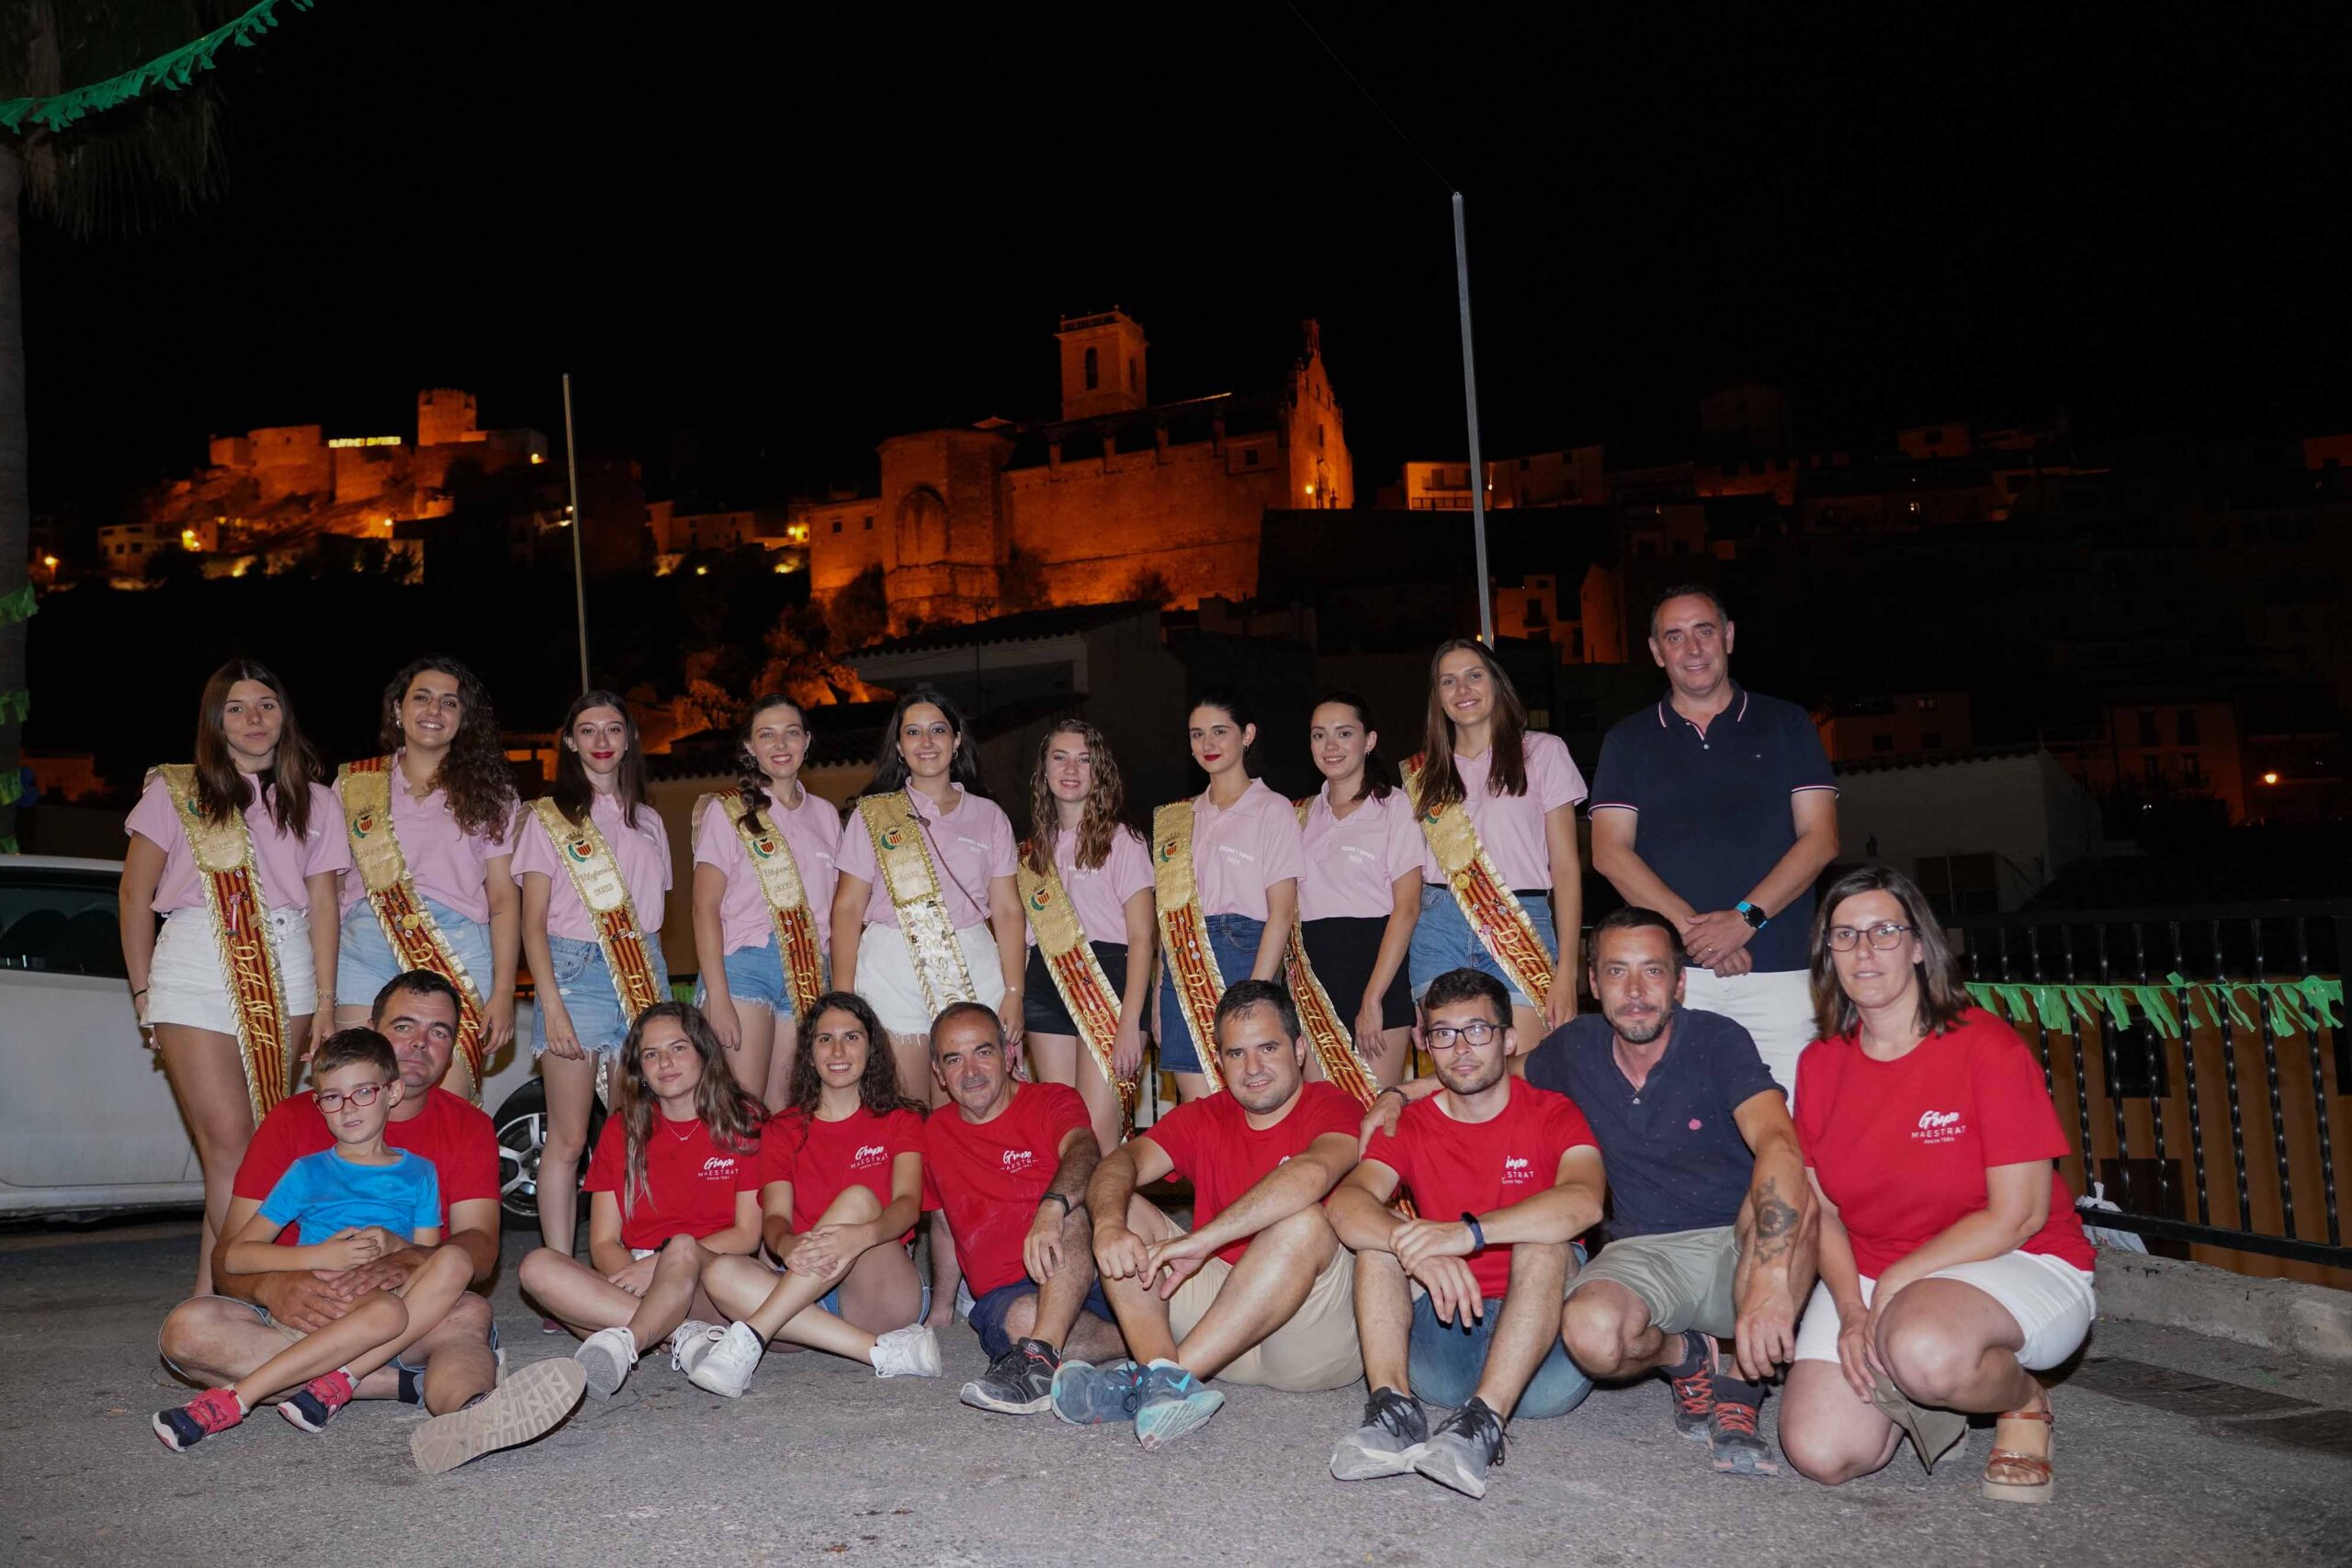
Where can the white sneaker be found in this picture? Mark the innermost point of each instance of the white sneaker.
(606, 1356)
(912, 1351)
(726, 1368)
(690, 1341)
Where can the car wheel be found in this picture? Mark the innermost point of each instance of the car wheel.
(522, 1124)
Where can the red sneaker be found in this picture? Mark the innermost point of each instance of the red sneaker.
(214, 1410)
(321, 1397)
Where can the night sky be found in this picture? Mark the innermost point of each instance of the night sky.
(765, 250)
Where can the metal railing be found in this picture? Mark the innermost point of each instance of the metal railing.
(2222, 1134)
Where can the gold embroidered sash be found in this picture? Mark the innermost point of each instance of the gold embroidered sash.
(1077, 975)
(365, 787)
(1491, 909)
(904, 864)
(1327, 1028)
(1184, 931)
(233, 898)
(779, 874)
(596, 877)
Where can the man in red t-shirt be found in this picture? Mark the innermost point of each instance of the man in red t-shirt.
(1260, 1290)
(453, 1370)
(1466, 1309)
(1005, 1174)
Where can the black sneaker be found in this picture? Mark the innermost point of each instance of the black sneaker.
(1694, 1386)
(1019, 1382)
(1466, 1445)
(1390, 1439)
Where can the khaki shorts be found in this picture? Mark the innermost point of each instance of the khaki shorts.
(1316, 1349)
(1684, 1278)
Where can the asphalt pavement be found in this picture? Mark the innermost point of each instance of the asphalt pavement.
(2170, 1449)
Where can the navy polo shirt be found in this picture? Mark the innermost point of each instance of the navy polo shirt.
(1675, 1159)
(1714, 807)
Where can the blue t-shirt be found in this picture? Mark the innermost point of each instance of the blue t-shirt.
(322, 1193)
(1714, 807)
(1675, 1158)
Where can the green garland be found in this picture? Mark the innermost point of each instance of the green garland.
(2295, 1006)
(172, 72)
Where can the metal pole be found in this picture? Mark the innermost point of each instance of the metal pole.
(579, 525)
(1470, 401)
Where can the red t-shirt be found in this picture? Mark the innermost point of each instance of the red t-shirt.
(455, 1138)
(1213, 1145)
(861, 1147)
(1455, 1167)
(1902, 1147)
(690, 1183)
(989, 1176)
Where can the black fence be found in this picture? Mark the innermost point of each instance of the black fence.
(2220, 1132)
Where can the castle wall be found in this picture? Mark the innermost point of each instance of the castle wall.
(1190, 512)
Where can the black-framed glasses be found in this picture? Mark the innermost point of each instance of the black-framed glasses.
(332, 1100)
(1441, 1036)
(1885, 936)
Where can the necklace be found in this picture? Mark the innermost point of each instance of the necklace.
(682, 1131)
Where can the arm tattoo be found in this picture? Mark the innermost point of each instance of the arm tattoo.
(1775, 1221)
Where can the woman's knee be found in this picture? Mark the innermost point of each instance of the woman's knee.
(541, 1265)
(682, 1252)
(1827, 1454)
(1928, 1359)
(856, 1205)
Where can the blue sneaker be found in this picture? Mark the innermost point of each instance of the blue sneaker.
(1087, 1395)
(1173, 1402)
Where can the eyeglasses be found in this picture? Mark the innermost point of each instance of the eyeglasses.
(1441, 1036)
(1885, 936)
(332, 1100)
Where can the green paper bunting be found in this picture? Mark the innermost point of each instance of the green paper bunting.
(170, 72)
(2294, 1007)
(19, 605)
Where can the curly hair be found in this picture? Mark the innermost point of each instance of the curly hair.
(1105, 802)
(222, 792)
(877, 1086)
(1440, 782)
(732, 1116)
(473, 775)
(750, 779)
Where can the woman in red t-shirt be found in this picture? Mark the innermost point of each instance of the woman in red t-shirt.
(674, 1186)
(1952, 1264)
(841, 1187)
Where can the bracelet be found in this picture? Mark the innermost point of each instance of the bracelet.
(140, 992)
(1477, 1231)
(1392, 1089)
(1059, 1198)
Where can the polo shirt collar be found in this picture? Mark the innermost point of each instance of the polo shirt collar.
(1737, 710)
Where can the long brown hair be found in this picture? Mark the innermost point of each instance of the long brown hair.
(1440, 782)
(878, 1088)
(1942, 998)
(473, 775)
(1379, 774)
(574, 793)
(890, 770)
(751, 781)
(730, 1116)
(222, 792)
(1104, 803)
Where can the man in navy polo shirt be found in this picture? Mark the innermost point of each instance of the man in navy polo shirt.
(1735, 811)
(1711, 1222)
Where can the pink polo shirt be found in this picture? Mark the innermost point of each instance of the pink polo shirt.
(642, 852)
(1511, 826)
(970, 846)
(1240, 851)
(812, 832)
(1352, 863)
(1101, 896)
(449, 865)
(283, 860)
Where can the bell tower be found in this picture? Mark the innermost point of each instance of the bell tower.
(1103, 365)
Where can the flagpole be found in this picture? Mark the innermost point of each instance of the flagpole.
(1470, 401)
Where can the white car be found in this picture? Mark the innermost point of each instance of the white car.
(87, 1124)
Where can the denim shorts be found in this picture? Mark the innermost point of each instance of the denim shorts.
(831, 1302)
(988, 1312)
(1445, 1361)
(1442, 939)
(1234, 939)
(755, 979)
(364, 964)
(586, 986)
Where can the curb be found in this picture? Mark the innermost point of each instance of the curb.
(2274, 1314)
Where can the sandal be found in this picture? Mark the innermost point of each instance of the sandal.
(2014, 1477)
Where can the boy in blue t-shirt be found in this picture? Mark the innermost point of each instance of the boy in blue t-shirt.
(349, 1205)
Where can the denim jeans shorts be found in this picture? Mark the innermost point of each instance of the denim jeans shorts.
(1234, 939)
(365, 964)
(1445, 1361)
(755, 979)
(586, 986)
(1442, 939)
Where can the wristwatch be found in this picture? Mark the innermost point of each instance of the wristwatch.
(1753, 915)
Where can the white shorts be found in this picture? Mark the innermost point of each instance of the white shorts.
(184, 982)
(887, 979)
(2050, 1299)
(1775, 1007)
